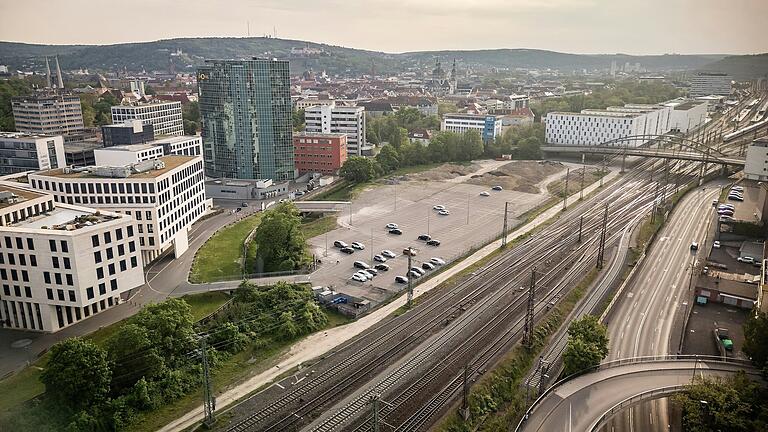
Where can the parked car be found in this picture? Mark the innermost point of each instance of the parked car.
(361, 265)
(347, 250)
(418, 270)
(737, 188)
(392, 226)
(358, 245)
(438, 207)
(746, 259)
(299, 193)
(409, 251)
(243, 204)
(372, 271)
(735, 198)
(359, 277)
(437, 261)
(379, 258)
(340, 244)
(716, 244)
(695, 246)
(726, 206)
(382, 267)
(427, 266)
(485, 193)
(497, 188)
(424, 237)
(388, 253)
(727, 212)
(714, 202)
(365, 274)
(725, 219)
(443, 212)
(433, 242)
(401, 279)
(413, 274)
(395, 231)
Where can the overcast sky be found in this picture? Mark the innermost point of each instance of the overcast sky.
(578, 26)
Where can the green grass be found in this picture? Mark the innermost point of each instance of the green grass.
(205, 304)
(344, 191)
(320, 226)
(221, 256)
(419, 168)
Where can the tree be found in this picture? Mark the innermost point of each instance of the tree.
(169, 326)
(132, 355)
(587, 345)
(388, 158)
(287, 328)
(358, 169)
(756, 338)
(280, 241)
(471, 145)
(529, 149)
(298, 120)
(191, 114)
(77, 374)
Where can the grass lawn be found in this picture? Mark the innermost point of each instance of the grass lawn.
(206, 303)
(316, 227)
(221, 256)
(344, 191)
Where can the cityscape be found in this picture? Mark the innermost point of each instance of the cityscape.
(315, 223)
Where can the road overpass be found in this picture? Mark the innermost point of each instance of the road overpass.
(585, 402)
(661, 153)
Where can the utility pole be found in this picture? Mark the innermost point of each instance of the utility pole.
(464, 410)
(326, 244)
(666, 180)
(655, 202)
(601, 246)
(602, 172)
(410, 278)
(371, 247)
(429, 213)
(504, 229)
(209, 402)
(375, 401)
(583, 171)
(467, 208)
(528, 329)
(565, 192)
(395, 196)
(581, 224)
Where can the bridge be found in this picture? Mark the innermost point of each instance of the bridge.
(586, 402)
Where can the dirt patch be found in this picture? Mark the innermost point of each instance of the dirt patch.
(591, 175)
(521, 176)
(444, 172)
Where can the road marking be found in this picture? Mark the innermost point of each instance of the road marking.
(278, 384)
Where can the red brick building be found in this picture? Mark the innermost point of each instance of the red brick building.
(319, 152)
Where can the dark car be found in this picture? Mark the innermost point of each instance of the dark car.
(395, 231)
(433, 242)
(497, 188)
(381, 267)
(427, 266)
(361, 265)
(347, 250)
(425, 237)
(339, 244)
(401, 279)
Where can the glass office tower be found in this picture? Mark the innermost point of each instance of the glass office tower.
(245, 109)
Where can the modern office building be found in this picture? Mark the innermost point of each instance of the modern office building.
(516, 102)
(127, 133)
(127, 154)
(756, 166)
(338, 119)
(48, 114)
(165, 117)
(710, 83)
(165, 196)
(686, 114)
(489, 126)
(319, 153)
(246, 114)
(80, 154)
(61, 263)
(28, 152)
(187, 145)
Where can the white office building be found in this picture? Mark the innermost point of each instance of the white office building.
(756, 166)
(60, 263)
(187, 145)
(165, 196)
(30, 152)
(489, 126)
(686, 114)
(596, 127)
(338, 119)
(516, 102)
(165, 117)
(710, 83)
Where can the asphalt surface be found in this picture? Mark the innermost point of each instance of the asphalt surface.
(642, 323)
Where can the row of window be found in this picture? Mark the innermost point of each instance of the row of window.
(22, 259)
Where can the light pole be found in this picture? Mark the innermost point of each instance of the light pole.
(429, 212)
(467, 208)
(371, 245)
(326, 245)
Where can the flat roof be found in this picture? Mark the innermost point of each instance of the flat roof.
(687, 105)
(600, 113)
(318, 135)
(728, 286)
(25, 135)
(131, 147)
(24, 194)
(171, 162)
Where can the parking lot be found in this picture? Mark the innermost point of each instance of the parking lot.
(700, 337)
(474, 220)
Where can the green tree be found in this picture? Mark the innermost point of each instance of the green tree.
(132, 356)
(191, 114)
(756, 338)
(587, 345)
(149, 90)
(169, 326)
(589, 328)
(287, 328)
(471, 145)
(9, 89)
(358, 169)
(298, 120)
(529, 149)
(388, 158)
(280, 239)
(229, 338)
(77, 374)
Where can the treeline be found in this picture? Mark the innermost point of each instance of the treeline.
(619, 94)
(523, 142)
(11, 88)
(280, 243)
(393, 129)
(155, 358)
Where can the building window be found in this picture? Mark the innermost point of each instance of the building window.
(52, 245)
(49, 293)
(89, 293)
(95, 240)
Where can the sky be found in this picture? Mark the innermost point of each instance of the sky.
(576, 26)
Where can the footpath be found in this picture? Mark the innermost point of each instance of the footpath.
(320, 343)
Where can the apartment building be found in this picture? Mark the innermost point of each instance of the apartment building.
(328, 119)
(319, 153)
(48, 114)
(165, 196)
(489, 126)
(127, 133)
(21, 152)
(710, 83)
(165, 117)
(61, 263)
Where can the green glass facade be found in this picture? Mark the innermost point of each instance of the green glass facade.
(245, 109)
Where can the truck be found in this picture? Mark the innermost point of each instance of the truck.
(723, 341)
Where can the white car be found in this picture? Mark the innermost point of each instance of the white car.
(418, 270)
(716, 244)
(438, 207)
(443, 212)
(485, 193)
(437, 261)
(358, 277)
(388, 253)
(724, 218)
(358, 245)
(735, 198)
(737, 188)
(392, 226)
(726, 206)
(746, 259)
(365, 274)
(379, 258)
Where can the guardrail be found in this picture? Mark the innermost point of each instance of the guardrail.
(650, 394)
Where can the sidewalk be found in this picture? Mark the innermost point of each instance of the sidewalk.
(320, 343)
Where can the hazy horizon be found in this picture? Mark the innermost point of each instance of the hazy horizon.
(653, 27)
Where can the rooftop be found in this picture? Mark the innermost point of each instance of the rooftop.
(317, 135)
(22, 194)
(64, 219)
(131, 147)
(687, 105)
(728, 286)
(171, 162)
(24, 135)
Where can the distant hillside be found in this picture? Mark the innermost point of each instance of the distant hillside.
(187, 53)
(741, 67)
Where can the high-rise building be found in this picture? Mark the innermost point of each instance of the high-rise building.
(127, 133)
(165, 117)
(48, 114)
(338, 119)
(710, 83)
(245, 108)
(27, 152)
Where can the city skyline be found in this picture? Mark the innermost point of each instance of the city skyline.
(575, 26)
